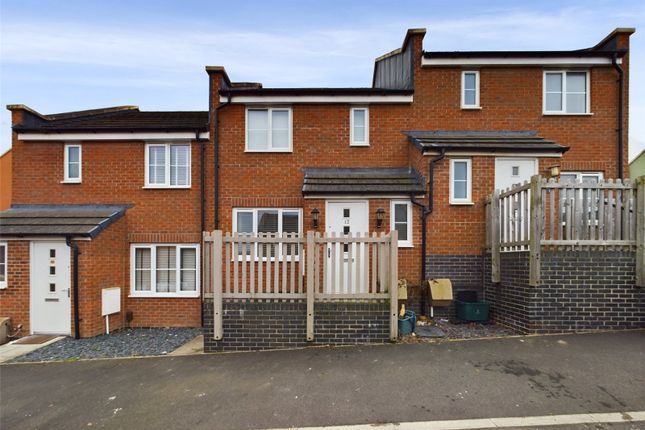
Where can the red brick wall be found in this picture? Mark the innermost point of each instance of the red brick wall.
(5, 180)
(14, 300)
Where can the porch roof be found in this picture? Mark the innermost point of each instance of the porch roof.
(59, 220)
(490, 141)
(390, 180)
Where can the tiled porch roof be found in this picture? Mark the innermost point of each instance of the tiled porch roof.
(58, 220)
(395, 180)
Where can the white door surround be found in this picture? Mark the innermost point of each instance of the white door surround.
(343, 217)
(49, 297)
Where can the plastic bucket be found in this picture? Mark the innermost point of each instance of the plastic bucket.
(408, 323)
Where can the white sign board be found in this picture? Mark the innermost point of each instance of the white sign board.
(110, 301)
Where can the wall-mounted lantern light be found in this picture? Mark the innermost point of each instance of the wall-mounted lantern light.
(315, 213)
(555, 171)
(380, 216)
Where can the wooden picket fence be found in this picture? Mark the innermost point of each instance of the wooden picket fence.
(575, 216)
(290, 266)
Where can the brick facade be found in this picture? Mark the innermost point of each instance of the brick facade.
(274, 325)
(579, 291)
(14, 300)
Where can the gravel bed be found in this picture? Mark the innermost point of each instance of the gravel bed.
(122, 343)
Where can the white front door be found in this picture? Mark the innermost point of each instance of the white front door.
(345, 271)
(513, 171)
(50, 288)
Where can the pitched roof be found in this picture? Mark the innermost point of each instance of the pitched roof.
(120, 118)
(493, 141)
(395, 180)
(59, 220)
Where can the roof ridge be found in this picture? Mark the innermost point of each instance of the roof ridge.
(90, 112)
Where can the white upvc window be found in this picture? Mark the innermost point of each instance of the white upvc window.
(470, 90)
(168, 165)
(268, 220)
(583, 177)
(566, 92)
(164, 270)
(3, 264)
(461, 181)
(359, 126)
(73, 163)
(401, 221)
(269, 130)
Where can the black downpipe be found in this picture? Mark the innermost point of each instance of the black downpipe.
(75, 254)
(424, 227)
(621, 95)
(216, 148)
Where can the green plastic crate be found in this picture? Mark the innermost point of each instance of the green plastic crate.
(472, 311)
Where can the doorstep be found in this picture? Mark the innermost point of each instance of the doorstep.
(11, 350)
(195, 346)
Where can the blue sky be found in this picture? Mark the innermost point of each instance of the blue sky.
(58, 56)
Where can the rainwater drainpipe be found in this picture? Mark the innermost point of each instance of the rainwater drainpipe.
(619, 129)
(426, 211)
(75, 254)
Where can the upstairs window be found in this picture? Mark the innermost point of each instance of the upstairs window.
(470, 90)
(460, 181)
(359, 120)
(401, 221)
(3, 264)
(72, 169)
(268, 130)
(566, 92)
(168, 165)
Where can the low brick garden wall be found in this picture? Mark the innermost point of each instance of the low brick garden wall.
(579, 291)
(258, 325)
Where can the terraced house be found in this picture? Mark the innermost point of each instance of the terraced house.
(119, 197)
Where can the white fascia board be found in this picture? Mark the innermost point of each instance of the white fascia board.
(497, 154)
(111, 136)
(393, 99)
(521, 61)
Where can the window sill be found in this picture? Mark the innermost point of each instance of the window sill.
(462, 203)
(269, 151)
(191, 295)
(3, 286)
(471, 108)
(566, 114)
(164, 187)
(70, 181)
(406, 245)
(359, 145)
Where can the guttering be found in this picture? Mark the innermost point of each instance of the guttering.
(153, 135)
(75, 253)
(318, 99)
(621, 96)
(502, 60)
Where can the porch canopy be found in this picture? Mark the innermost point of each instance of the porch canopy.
(362, 181)
(433, 141)
(58, 220)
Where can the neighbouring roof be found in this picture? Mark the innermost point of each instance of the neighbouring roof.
(361, 91)
(59, 220)
(492, 141)
(362, 181)
(120, 118)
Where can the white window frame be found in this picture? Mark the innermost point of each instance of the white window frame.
(166, 183)
(255, 211)
(3, 284)
(463, 90)
(352, 139)
(564, 92)
(66, 178)
(408, 204)
(270, 147)
(153, 270)
(580, 174)
(469, 182)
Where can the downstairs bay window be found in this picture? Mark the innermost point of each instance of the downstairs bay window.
(165, 270)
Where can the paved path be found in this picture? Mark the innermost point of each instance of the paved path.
(511, 377)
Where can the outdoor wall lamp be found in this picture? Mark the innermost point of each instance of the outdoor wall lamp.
(380, 215)
(315, 213)
(555, 171)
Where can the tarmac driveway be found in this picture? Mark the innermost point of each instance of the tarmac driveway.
(389, 383)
